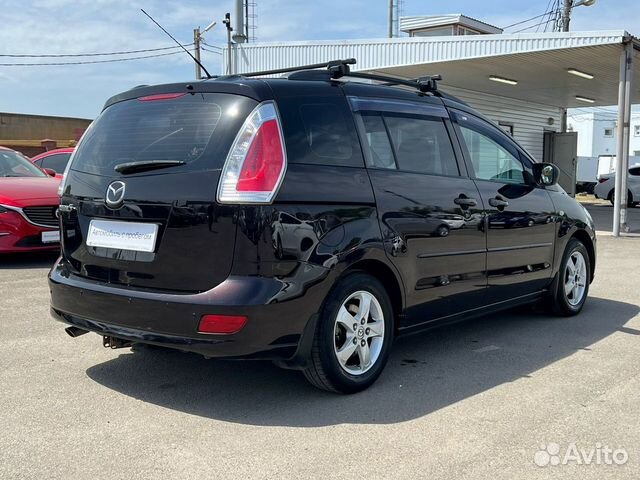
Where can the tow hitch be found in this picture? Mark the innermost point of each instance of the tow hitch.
(113, 342)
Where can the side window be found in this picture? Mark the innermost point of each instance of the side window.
(39, 163)
(492, 157)
(57, 162)
(410, 143)
(635, 171)
(380, 152)
(320, 130)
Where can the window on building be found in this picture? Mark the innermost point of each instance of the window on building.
(636, 130)
(434, 32)
(608, 132)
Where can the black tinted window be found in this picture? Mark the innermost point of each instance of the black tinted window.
(320, 130)
(421, 144)
(377, 139)
(57, 162)
(195, 128)
(635, 171)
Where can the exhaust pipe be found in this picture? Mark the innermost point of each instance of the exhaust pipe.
(75, 331)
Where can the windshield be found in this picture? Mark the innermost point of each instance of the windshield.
(14, 164)
(196, 129)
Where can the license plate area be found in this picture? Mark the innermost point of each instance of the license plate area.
(50, 237)
(132, 236)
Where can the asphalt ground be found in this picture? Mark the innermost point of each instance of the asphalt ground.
(483, 399)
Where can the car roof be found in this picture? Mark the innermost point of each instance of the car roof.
(53, 152)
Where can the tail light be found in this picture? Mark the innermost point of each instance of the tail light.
(161, 96)
(602, 179)
(221, 324)
(257, 161)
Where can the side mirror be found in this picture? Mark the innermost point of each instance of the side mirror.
(50, 172)
(546, 174)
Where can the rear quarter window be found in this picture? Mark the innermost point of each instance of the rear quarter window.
(195, 128)
(320, 130)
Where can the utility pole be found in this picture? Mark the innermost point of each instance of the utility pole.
(566, 14)
(196, 51)
(391, 18)
(227, 23)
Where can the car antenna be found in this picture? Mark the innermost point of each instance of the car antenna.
(181, 46)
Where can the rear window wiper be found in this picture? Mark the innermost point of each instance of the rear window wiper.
(146, 165)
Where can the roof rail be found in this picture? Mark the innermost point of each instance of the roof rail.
(336, 69)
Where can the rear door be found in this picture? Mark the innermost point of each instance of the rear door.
(190, 237)
(520, 214)
(430, 212)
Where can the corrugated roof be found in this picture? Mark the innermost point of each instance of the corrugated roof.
(539, 61)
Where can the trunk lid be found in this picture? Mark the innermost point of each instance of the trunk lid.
(192, 248)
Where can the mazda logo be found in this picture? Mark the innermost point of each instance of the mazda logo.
(115, 194)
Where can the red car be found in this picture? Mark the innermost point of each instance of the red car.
(28, 205)
(54, 159)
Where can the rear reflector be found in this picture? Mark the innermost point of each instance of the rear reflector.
(257, 161)
(223, 324)
(160, 96)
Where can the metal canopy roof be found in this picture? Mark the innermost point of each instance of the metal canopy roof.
(538, 61)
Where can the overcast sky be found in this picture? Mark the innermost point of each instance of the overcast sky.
(81, 26)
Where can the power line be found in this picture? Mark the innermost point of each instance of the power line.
(546, 9)
(209, 45)
(545, 22)
(87, 62)
(211, 51)
(100, 54)
(527, 20)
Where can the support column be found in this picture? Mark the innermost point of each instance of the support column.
(628, 94)
(617, 201)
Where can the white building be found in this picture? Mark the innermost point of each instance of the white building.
(597, 132)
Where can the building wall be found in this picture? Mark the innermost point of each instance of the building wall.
(26, 132)
(529, 120)
(592, 141)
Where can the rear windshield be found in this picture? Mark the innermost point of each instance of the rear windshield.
(195, 128)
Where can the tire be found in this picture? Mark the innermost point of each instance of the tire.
(630, 202)
(570, 303)
(348, 373)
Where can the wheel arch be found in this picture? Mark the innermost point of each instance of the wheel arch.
(585, 239)
(385, 275)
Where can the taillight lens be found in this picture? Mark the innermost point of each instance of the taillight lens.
(257, 161)
(222, 324)
(602, 179)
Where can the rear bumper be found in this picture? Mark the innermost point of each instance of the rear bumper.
(274, 329)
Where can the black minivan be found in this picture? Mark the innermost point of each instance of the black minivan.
(307, 220)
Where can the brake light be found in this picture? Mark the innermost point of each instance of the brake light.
(221, 324)
(602, 179)
(257, 161)
(160, 96)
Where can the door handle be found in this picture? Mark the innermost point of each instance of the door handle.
(464, 201)
(498, 202)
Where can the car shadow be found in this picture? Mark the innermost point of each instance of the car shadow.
(426, 371)
(28, 260)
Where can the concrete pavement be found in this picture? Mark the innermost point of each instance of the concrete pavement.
(471, 401)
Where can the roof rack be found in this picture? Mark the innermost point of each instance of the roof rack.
(336, 69)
